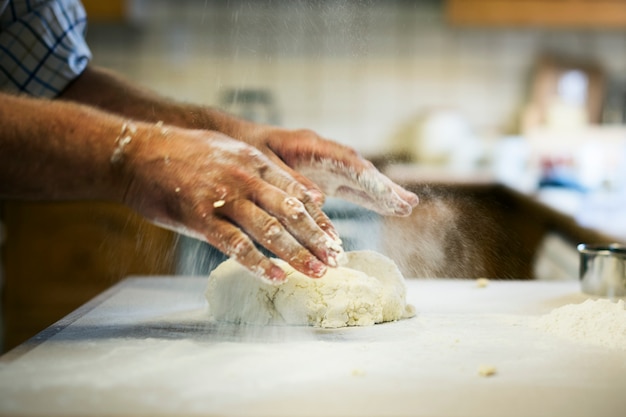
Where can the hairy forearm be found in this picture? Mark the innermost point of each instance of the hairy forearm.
(109, 91)
(58, 150)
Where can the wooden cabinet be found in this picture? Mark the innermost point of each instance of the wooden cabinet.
(109, 10)
(538, 13)
(57, 256)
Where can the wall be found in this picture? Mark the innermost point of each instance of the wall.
(355, 71)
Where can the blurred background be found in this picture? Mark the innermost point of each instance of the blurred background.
(508, 117)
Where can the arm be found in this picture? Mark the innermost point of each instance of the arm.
(199, 182)
(315, 162)
(54, 151)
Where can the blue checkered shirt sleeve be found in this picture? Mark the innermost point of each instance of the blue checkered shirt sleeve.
(42, 46)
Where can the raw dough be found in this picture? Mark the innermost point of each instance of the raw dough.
(367, 289)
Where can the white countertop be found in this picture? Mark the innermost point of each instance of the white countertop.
(145, 347)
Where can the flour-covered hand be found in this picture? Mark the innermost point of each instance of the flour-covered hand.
(229, 194)
(336, 169)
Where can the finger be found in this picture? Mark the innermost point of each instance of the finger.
(406, 195)
(365, 186)
(277, 150)
(384, 205)
(316, 194)
(388, 196)
(340, 171)
(268, 231)
(231, 241)
(298, 221)
(323, 221)
(283, 181)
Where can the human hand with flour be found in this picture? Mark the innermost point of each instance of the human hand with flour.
(270, 193)
(198, 182)
(190, 168)
(337, 170)
(234, 193)
(227, 193)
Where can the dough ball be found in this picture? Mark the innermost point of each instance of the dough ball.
(367, 289)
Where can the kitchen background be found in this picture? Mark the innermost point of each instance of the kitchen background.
(393, 78)
(356, 71)
(538, 104)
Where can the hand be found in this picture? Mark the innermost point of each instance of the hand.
(222, 191)
(336, 169)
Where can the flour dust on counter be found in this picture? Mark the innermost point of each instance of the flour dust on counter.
(145, 348)
(600, 322)
(366, 290)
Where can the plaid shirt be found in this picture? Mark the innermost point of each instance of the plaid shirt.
(42, 45)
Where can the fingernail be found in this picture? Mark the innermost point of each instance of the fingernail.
(402, 208)
(402, 211)
(316, 267)
(277, 274)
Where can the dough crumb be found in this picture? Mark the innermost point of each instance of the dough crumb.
(482, 282)
(358, 372)
(486, 370)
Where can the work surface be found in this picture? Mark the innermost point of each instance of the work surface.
(145, 347)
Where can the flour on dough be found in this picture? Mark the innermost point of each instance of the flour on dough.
(367, 289)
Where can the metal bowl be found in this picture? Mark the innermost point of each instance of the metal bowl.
(603, 269)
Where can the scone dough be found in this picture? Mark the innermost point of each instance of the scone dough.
(367, 289)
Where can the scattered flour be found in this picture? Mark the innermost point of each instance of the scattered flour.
(124, 138)
(596, 322)
(367, 289)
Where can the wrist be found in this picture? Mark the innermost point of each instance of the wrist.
(135, 150)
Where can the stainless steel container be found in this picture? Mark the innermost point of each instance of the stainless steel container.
(603, 269)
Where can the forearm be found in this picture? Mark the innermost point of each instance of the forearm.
(57, 150)
(108, 91)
